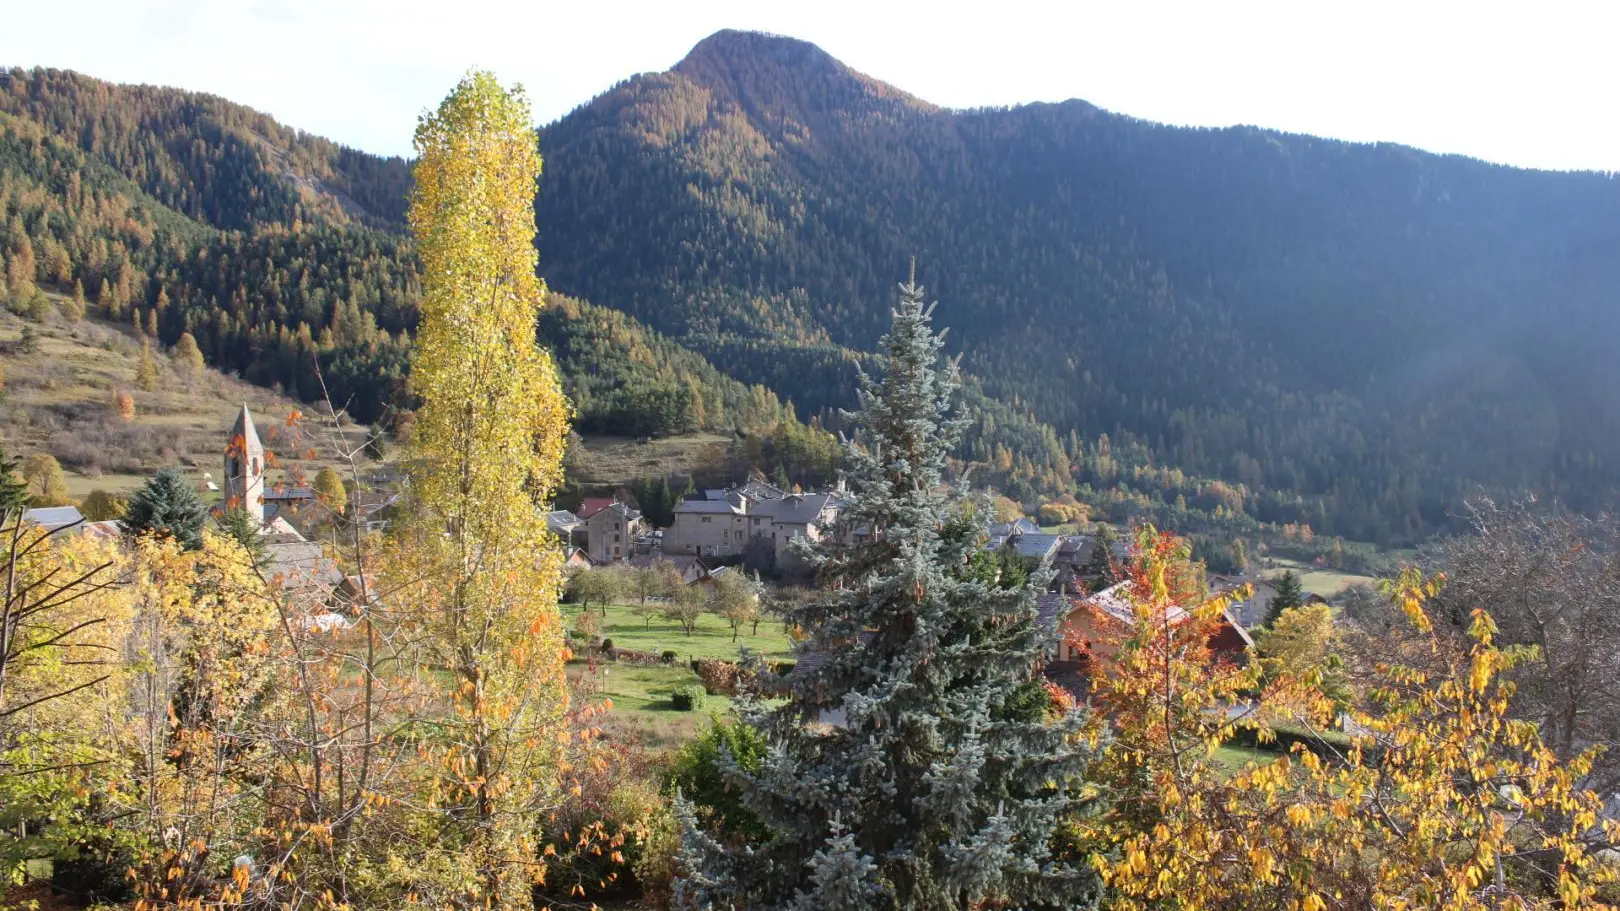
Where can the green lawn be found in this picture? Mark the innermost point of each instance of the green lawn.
(642, 710)
(711, 639)
(1235, 758)
(1325, 582)
(640, 696)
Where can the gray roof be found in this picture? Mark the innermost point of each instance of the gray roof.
(1020, 526)
(1037, 546)
(51, 518)
(273, 492)
(794, 509)
(760, 490)
(708, 506)
(561, 520)
(301, 565)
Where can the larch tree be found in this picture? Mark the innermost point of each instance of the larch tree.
(899, 774)
(146, 369)
(187, 356)
(484, 574)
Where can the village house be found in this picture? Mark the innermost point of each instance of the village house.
(1069, 555)
(722, 523)
(1090, 628)
(1251, 611)
(611, 528)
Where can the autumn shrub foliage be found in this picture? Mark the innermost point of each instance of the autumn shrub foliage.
(1440, 801)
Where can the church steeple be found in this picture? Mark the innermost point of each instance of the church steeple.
(244, 467)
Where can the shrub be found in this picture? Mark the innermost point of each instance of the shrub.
(720, 678)
(697, 773)
(99, 506)
(670, 656)
(607, 646)
(614, 840)
(688, 698)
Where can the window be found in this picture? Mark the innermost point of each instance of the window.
(705, 520)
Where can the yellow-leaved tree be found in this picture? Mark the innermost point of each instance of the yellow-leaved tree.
(1432, 799)
(473, 560)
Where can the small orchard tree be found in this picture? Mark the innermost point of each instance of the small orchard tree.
(736, 598)
(686, 606)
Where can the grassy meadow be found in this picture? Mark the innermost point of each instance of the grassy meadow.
(59, 400)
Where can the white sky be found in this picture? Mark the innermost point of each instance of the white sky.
(1528, 84)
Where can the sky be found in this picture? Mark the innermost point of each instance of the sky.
(1524, 84)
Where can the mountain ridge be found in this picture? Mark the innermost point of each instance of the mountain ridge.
(1350, 335)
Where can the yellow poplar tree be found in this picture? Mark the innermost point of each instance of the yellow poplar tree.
(489, 441)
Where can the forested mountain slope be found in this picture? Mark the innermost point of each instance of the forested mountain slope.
(1365, 331)
(1211, 326)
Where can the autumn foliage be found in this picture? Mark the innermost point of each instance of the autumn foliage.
(1439, 800)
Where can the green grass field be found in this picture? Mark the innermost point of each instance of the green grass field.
(640, 699)
(1325, 582)
(711, 639)
(1234, 758)
(640, 696)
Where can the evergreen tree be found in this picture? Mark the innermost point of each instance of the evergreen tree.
(1289, 596)
(187, 356)
(146, 370)
(926, 794)
(167, 505)
(1100, 568)
(239, 525)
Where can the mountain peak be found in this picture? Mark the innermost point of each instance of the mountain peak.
(729, 47)
(764, 70)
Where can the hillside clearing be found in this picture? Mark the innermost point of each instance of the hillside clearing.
(59, 400)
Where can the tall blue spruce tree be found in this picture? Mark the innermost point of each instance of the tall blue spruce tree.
(905, 769)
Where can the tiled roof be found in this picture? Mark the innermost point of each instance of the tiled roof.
(593, 505)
